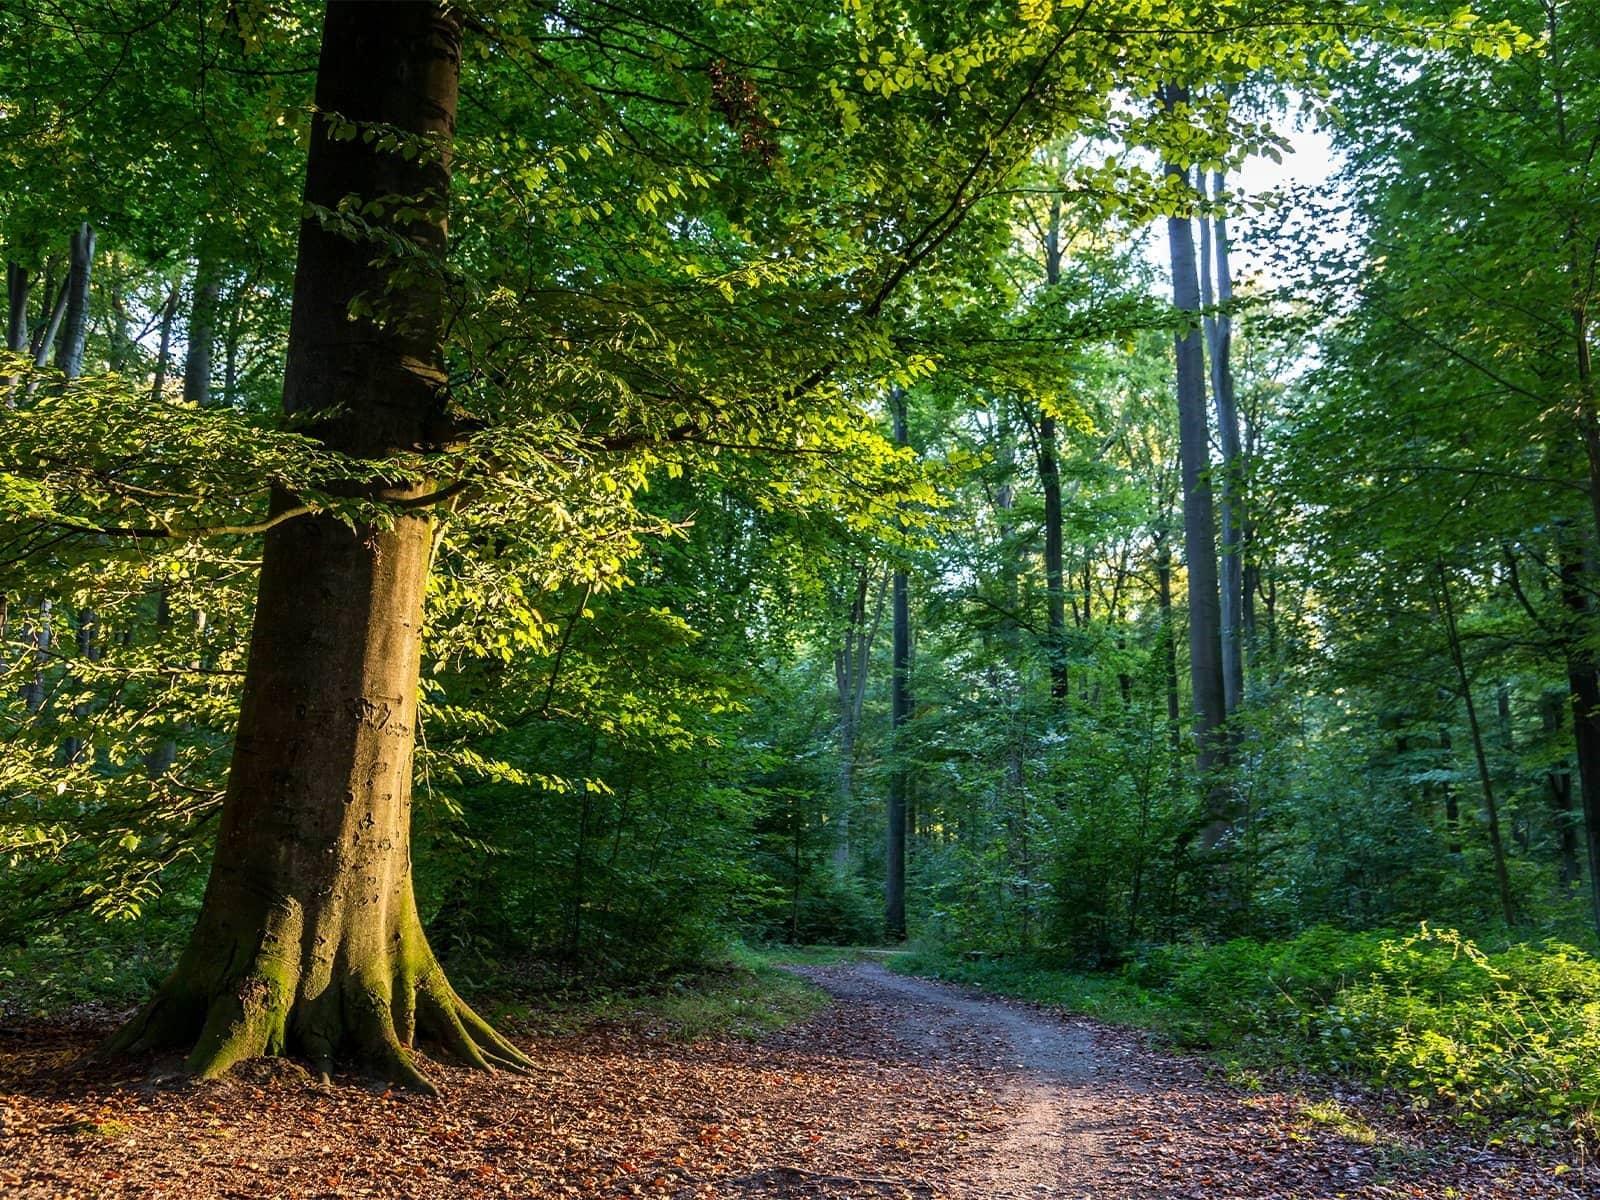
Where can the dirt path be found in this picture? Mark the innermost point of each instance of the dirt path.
(903, 1089)
(1091, 1112)
(1049, 1139)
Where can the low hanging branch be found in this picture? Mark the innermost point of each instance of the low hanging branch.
(178, 533)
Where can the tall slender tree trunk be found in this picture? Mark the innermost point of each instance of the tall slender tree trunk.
(1230, 500)
(1583, 672)
(851, 661)
(1054, 573)
(899, 714)
(19, 282)
(44, 337)
(1559, 779)
(40, 636)
(1452, 806)
(1583, 687)
(231, 344)
(198, 363)
(309, 937)
(75, 324)
(169, 317)
(1199, 520)
(1491, 807)
(1050, 486)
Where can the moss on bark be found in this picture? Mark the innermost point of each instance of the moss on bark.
(233, 1003)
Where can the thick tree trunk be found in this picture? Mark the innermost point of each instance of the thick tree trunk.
(19, 282)
(1054, 574)
(1168, 634)
(309, 937)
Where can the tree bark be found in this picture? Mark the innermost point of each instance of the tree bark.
(851, 661)
(75, 325)
(309, 938)
(19, 283)
(44, 337)
(1583, 687)
(198, 362)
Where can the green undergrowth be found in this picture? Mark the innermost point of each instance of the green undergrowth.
(783, 955)
(744, 995)
(56, 975)
(1507, 1040)
(740, 992)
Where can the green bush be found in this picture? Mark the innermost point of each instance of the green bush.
(832, 911)
(1512, 1036)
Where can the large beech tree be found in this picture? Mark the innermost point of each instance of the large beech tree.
(309, 936)
(702, 248)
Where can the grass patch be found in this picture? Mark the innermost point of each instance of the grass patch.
(783, 955)
(745, 996)
(1107, 997)
(1347, 1123)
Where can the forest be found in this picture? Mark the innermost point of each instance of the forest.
(518, 515)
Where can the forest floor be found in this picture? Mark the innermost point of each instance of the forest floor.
(902, 1088)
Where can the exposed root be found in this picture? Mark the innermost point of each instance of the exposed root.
(375, 1014)
(462, 1033)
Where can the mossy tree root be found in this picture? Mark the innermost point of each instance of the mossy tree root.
(376, 1016)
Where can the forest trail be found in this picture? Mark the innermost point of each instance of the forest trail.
(1051, 1143)
(903, 1089)
(1091, 1112)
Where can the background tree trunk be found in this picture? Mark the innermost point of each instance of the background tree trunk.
(1199, 531)
(19, 282)
(899, 714)
(169, 316)
(851, 662)
(1491, 808)
(75, 324)
(198, 362)
(1050, 486)
(1219, 345)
